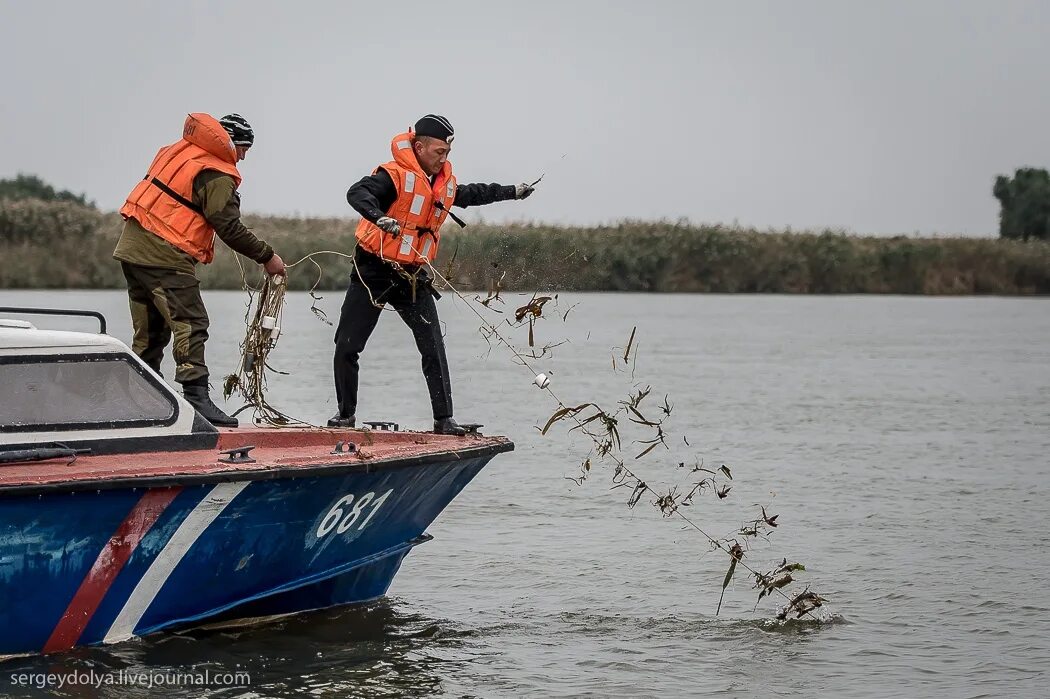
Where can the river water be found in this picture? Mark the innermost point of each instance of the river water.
(904, 444)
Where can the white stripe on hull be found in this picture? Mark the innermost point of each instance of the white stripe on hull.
(184, 537)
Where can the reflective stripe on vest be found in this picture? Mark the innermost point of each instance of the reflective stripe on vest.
(406, 244)
(417, 204)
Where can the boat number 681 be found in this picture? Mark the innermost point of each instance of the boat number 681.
(346, 511)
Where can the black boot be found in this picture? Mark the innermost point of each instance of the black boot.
(199, 399)
(448, 425)
(338, 420)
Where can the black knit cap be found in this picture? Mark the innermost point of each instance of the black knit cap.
(435, 126)
(240, 131)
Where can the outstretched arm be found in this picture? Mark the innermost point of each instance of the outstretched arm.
(481, 194)
(372, 196)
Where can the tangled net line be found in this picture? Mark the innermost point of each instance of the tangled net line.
(263, 328)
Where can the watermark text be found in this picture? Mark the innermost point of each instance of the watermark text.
(131, 678)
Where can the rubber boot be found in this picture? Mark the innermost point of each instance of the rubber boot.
(448, 425)
(201, 401)
(338, 420)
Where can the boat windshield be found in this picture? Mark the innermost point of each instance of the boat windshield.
(79, 392)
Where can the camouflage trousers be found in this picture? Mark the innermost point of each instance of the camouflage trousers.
(164, 303)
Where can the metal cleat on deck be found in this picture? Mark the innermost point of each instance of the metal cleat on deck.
(237, 455)
(381, 425)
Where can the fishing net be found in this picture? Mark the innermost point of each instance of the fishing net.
(263, 330)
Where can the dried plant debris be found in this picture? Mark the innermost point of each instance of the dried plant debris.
(801, 604)
(449, 275)
(628, 359)
(495, 288)
(736, 554)
(532, 309)
(776, 578)
(530, 312)
(526, 317)
(605, 428)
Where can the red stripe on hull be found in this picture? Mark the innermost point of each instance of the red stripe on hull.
(110, 561)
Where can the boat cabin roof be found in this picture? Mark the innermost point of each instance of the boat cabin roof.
(20, 335)
(80, 387)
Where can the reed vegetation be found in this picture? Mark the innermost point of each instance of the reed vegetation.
(63, 244)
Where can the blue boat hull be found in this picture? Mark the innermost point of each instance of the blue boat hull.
(86, 567)
(366, 582)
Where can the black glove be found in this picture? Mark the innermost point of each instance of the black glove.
(388, 224)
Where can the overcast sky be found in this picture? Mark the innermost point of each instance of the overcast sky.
(877, 117)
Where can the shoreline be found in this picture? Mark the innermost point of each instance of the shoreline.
(59, 245)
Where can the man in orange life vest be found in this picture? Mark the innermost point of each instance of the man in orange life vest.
(402, 205)
(171, 218)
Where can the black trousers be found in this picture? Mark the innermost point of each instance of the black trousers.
(358, 319)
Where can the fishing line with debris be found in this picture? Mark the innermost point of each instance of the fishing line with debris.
(263, 330)
(608, 444)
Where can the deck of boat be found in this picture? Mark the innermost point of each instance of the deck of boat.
(277, 453)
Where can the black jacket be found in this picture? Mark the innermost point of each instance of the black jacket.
(373, 195)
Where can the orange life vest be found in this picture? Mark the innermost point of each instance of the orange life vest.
(162, 202)
(414, 209)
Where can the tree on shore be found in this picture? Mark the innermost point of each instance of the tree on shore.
(32, 187)
(1025, 204)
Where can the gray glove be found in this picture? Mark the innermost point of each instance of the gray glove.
(388, 224)
(521, 191)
